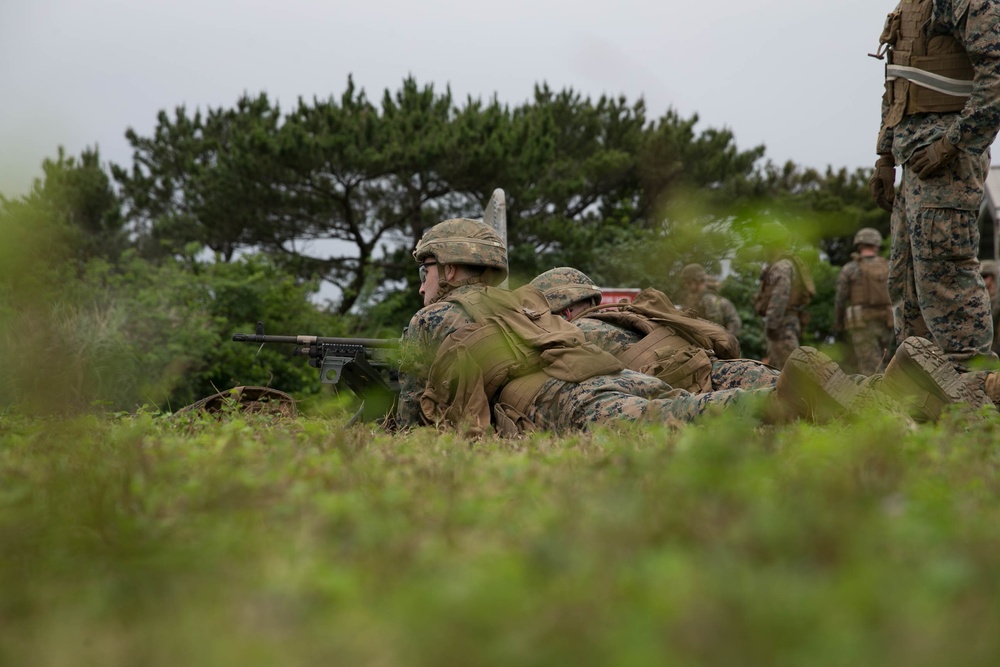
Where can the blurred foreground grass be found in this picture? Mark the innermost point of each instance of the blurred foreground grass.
(141, 540)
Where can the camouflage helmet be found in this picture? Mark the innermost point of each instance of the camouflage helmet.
(868, 236)
(693, 273)
(467, 242)
(564, 286)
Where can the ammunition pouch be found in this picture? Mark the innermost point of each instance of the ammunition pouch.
(688, 368)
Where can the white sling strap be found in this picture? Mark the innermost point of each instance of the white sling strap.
(936, 82)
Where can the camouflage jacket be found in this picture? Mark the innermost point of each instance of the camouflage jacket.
(777, 283)
(538, 344)
(423, 336)
(608, 337)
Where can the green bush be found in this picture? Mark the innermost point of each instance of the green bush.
(119, 337)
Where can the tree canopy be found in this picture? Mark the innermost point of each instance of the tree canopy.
(340, 189)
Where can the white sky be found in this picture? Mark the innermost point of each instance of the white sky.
(790, 74)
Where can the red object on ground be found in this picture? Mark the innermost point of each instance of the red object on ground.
(617, 294)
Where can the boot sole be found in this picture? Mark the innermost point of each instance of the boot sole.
(934, 374)
(832, 397)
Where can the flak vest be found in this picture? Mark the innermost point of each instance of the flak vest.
(512, 348)
(871, 289)
(924, 72)
(869, 294)
(676, 348)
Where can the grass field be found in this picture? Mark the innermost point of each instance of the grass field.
(143, 540)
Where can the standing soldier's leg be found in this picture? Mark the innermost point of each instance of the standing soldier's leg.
(902, 287)
(779, 348)
(867, 348)
(950, 289)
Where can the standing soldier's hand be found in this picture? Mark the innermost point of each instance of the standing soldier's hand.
(882, 184)
(928, 160)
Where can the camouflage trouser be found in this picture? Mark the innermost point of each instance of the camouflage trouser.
(785, 341)
(565, 406)
(873, 346)
(742, 374)
(934, 281)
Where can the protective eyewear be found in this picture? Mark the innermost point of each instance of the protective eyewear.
(423, 271)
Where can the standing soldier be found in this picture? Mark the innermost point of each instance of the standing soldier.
(940, 114)
(786, 288)
(706, 304)
(991, 275)
(862, 306)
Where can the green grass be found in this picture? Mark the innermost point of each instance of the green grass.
(143, 540)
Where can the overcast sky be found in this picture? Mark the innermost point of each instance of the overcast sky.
(790, 74)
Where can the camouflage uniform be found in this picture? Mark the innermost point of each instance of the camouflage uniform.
(782, 321)
(934, 281)
(871, 334)
(710, 306)
(559, 406)
(726, 373)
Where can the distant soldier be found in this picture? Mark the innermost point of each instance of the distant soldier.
(786, 288)
(861, 305)
(991, 276)
(706, 304)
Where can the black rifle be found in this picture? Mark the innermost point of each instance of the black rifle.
(367, 366)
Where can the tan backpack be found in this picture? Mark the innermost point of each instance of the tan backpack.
(675, 347)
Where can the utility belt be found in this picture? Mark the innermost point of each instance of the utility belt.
(858, 317)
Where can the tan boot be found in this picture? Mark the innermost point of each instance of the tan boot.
(926, 382)
(812, 386)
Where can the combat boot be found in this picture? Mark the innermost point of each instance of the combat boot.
(924, 380)
(812, 386)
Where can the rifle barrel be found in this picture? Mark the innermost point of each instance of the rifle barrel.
(309, 340)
